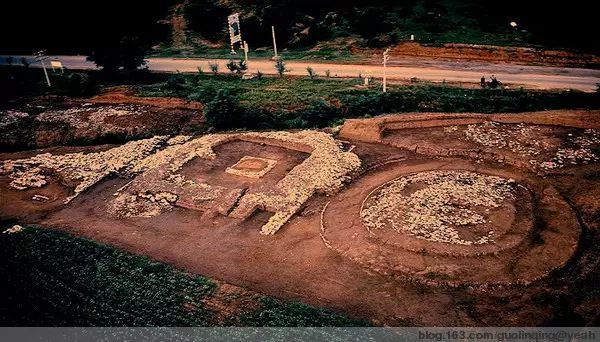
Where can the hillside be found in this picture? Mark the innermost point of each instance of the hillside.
(381, 23)
(197, 25)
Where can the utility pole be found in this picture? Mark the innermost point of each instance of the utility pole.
(40, 58)
(274, 42)
(386, 57)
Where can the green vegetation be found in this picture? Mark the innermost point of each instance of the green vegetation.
(324, 53)
(280, 66)
(127, 54)
(290, 102)
(386, 22)
(50, 278)
(237, 67)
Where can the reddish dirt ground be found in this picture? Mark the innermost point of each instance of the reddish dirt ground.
(126, 95)
(486, 53)
(213, 171)
(296, 264)
(147, 117)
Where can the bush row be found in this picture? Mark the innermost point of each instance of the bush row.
(224, 111)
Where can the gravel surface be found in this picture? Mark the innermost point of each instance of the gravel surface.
(442, 201)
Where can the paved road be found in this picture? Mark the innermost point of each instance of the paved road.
(400, 69)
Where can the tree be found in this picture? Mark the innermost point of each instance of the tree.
(280, 66)
(127, 54)
(25, 62)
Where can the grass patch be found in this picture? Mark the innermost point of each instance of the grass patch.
(323, 54)
(296, 102)
(280, 313)
(51, 278)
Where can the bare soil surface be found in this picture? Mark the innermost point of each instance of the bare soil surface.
(539, 268)
(497, 54)
(114, 116)
(126, 95)
(213, 171)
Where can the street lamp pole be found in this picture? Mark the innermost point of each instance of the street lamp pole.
(45, 73)
(274, 42)
(41, 58)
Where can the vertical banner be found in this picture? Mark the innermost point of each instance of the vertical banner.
(235, 35)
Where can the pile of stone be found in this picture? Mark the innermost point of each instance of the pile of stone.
(90, 116)
(144, 204)
(13, 230)
(324, 171)
(443, 201)
(10, 117)
(584, 151)
(83, 169)
(520, 139)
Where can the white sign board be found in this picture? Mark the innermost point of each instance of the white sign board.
(56, 65)
(235, 35)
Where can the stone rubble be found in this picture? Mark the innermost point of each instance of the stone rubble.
(40, 198)
(530, 142)
(13, 230)
(10, 117)
(91, 116)
(519, 139)
(83, 169)
(324, 171)
(443, 200)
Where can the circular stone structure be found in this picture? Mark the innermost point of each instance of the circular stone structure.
(452, 223)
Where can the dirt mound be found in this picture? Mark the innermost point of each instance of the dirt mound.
(451, 226)
(324, 171)
(77, 122)
(126, 95)
(538, 141)
(519, 55)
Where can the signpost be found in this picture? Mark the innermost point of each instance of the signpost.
(56, 64)
(245, 45)
(386, 57)
(235, 35)
(40, 57)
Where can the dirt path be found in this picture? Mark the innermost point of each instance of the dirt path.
(434, 71)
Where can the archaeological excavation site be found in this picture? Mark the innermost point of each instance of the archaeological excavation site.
(408, 219)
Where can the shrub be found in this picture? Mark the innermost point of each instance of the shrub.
(280, 66)
(175, 82)
(25, 62)
(242, 66)
(311, 73)
(318, 113)
(127, 53)
(223, 111)
(81, 84)
(232, 66)
(214, 68)
(203, 94)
